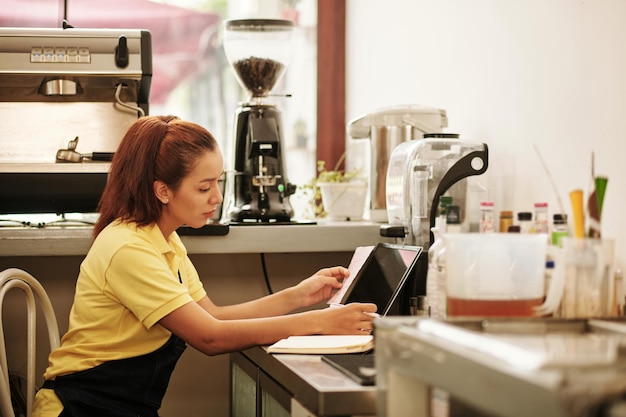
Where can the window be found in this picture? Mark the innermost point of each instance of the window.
(192, 79)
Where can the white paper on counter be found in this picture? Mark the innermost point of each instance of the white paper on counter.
(323, 344)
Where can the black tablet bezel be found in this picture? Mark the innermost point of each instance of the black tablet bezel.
(363, 271)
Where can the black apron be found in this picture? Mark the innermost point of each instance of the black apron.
(132, 387)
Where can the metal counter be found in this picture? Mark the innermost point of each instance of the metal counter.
(500, 367)
(315, 385)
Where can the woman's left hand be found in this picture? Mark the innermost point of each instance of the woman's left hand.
(321, 286)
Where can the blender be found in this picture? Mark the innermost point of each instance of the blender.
(258, 191)
(420, 172)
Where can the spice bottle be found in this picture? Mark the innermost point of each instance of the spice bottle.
(548, 273)
(476, 192)
(541, 218)
(440, 221)
(487, 223)
(525, 221)
(560, 229)
(418, 306)
(506, 220)
(453, 219)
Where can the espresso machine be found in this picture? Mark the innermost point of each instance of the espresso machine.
(418, 174)
(258, 190)
(65, 91)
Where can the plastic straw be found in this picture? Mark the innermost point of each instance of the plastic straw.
(578, 213)
(601, 183)
(554, 187)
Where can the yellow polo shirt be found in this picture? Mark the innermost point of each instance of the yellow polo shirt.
(128, 281)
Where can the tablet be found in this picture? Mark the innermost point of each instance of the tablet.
(360, 367)
(382, 277)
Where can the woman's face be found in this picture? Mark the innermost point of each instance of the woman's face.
(198, 196)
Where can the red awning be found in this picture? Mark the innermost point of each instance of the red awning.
(182, 39)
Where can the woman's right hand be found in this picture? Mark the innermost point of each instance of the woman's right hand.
(353, 318)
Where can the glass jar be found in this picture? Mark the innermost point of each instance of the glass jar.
(525, 221)
(506, 220)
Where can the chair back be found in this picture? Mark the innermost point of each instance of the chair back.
(34, 292)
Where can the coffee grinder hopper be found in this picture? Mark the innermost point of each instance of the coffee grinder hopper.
(258, 51)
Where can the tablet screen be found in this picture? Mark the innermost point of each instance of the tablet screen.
(382, 277)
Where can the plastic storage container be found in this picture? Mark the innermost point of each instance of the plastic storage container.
(494, 274)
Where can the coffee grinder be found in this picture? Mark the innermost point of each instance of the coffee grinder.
(258, 191)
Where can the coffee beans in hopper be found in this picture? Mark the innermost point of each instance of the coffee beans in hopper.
(259, 74)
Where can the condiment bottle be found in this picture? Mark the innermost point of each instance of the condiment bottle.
(525, 221)
(440, 221)
(560, 229)
(418, 306)
(549, 271)
(436, 277)
(541, 218)
(453, 219)
(506, 220)
(487, 223)
(476, 193)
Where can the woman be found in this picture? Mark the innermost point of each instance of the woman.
(139, 299)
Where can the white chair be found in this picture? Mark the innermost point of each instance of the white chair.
(33, 290)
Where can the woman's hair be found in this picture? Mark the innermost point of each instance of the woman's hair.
(162, 148)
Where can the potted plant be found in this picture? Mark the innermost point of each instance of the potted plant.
(338, 194)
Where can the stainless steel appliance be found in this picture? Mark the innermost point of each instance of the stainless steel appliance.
(67, 96)
(418, 174)
(386, 128)
(500, 367)
(259, 190)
